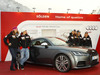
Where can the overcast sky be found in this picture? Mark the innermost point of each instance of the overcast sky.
(61, 6)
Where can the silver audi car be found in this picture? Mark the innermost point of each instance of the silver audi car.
(55, 52)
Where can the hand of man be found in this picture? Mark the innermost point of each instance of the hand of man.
(9, 44)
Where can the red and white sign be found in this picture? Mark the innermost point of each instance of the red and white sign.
(57, 24)
(0, 36)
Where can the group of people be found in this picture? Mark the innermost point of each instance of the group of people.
(75, 39)
(23, 40)
(14, 44)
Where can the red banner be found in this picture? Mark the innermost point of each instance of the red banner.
(11, 19)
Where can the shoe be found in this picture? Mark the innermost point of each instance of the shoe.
(12, 69)
(22, 67)
(16, 67)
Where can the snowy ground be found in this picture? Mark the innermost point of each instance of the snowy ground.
(10, 5)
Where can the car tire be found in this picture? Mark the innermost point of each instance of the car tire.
(62, 63)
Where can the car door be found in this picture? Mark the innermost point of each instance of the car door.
(41, 54)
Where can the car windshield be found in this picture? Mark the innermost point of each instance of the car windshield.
(58, 42)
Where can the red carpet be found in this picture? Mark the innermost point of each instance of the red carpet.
(31, 69)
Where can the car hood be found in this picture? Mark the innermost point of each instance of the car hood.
(81, 49)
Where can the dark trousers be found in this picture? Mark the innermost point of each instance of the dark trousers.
(13, 52)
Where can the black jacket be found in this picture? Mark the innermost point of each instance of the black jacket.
(25, 40)
(87, 41)
(13, 39)
(79, 40)
(71, 39)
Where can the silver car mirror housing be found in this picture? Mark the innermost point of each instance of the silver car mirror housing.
(44, 44)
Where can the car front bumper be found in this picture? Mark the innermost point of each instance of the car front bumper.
(85, 61)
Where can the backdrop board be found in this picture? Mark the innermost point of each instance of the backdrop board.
(0, 35)
(49, 25)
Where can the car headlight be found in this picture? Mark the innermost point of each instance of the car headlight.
(79, 53)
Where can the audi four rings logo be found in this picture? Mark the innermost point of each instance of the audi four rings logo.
(91, 28)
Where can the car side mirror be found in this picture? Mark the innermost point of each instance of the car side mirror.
(44, 44)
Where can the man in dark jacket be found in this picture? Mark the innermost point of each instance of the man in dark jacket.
(25, 43)
(13, 46)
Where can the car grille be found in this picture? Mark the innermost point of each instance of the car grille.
(93, 53)
(81, 64)
(90, 61)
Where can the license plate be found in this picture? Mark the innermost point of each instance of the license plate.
(94, 57)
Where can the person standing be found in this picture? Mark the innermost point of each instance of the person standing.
(87, 40)
(75, 38)
(79, 39)
(71, 38)
(13, 45)
(24, 40)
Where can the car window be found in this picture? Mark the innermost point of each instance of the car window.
(39, 42)
(58, 42)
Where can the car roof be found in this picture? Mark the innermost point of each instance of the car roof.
(49, 37)
(43, 38)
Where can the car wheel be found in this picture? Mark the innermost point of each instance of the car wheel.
(62, 63)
